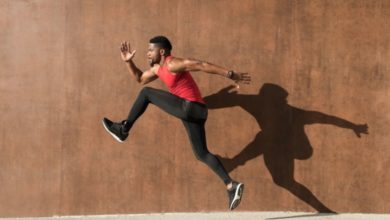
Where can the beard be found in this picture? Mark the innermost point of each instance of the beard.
(154, 61)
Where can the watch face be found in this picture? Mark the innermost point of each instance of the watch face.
(230, 74)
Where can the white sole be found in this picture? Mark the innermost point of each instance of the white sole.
(112, 134)
(237, 196)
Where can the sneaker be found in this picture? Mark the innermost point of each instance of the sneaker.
(115, 129)
(235, 195)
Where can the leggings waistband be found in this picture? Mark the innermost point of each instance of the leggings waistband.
(197, 103)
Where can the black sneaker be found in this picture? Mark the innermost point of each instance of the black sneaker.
(115, 129)
(235, 195)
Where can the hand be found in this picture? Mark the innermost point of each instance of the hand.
(126, 52)
(239, 78)
(359, 129)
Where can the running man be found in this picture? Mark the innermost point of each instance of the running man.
(183, 101)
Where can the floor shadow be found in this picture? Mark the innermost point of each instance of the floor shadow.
(282, 138)
(320, 215)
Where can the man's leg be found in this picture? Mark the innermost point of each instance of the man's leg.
(162, 99)
(196, 133)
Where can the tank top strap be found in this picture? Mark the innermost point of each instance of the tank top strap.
(163, 66)
(168, 58)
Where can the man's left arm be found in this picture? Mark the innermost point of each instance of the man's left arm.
(178, 65)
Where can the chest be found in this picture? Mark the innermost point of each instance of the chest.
(169, 78)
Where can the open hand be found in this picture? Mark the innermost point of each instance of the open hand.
(360, 129)
(241, 78)
(126, 53)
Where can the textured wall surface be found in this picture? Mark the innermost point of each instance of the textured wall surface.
(61, 73)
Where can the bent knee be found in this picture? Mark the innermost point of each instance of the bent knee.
(146, 89)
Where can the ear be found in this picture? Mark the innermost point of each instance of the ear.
(162, 52)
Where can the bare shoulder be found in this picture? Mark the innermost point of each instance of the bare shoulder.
(182, 63)
(175, 61)
(176, 64)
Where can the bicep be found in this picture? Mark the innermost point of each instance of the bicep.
(148, 76)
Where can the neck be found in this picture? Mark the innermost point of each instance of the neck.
(163, 59)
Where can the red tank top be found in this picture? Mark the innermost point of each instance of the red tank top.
(182, 84)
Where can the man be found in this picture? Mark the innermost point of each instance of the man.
(183, 101)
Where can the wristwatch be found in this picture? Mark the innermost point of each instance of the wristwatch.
(230, 74)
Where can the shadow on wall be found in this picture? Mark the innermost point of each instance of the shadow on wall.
(282, 137)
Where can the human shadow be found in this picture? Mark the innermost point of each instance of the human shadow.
(282, 138)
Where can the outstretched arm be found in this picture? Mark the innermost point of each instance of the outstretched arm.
(318, 117)
(178, 65)
(142, 77)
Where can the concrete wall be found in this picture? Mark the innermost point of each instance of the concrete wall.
(61, 73)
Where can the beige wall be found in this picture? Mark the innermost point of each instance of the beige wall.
(60, 73)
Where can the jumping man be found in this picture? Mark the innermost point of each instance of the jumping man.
(183, 101)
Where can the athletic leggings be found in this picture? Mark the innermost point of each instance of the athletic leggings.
(193, 116)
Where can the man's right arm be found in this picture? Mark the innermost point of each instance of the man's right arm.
(140, 77)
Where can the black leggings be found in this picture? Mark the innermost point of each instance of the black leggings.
(193, 116)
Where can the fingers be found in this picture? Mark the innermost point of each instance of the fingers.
(246, 78)
(243, 78)
(125, 46)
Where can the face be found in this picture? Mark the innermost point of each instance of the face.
(154, 54)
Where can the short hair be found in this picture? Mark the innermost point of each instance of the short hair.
(162, 41)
